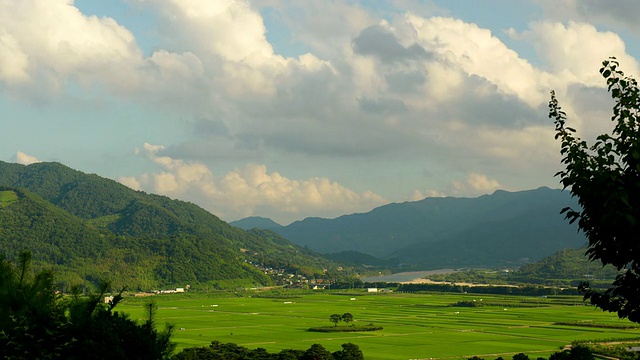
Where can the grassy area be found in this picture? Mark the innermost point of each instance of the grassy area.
(415, 326)
(7, 198)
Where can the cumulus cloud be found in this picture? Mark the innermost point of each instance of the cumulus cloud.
(51, 41)
(245, 191)
(417, 195)
(25, 159)
(622, 13)
(406, 88)
(475, 184)
(573, 52)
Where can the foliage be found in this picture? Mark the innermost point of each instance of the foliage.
(352, 328)
(467, 303)
(520, 356)
(350, 351)
(36, 322)
(595, 325)
(347, 317)
(529, 290)
(231, 351)
(335, 318)
(605, 177)
(567, 264)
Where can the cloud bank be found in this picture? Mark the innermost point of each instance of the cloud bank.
(359, 98)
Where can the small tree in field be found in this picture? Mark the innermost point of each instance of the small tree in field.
(605, 177)
(347, 317)
(335, 318)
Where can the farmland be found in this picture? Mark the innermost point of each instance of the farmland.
(415, 325)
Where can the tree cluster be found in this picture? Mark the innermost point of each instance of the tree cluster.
(231, 351)
(578, 352)
(36, 322)
(336, 318)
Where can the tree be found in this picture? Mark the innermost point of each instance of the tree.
(347, 317)
(605, 177)
(335, 318)
(317, 352)
(520, 356)
(349, 351)
(37, 323)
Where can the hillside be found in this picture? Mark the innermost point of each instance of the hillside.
(566, 264)
(90, 227)
(505, 228)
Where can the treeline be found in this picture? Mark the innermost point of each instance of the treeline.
(526, 290)
(231, 351)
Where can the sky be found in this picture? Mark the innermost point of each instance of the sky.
(289, 109)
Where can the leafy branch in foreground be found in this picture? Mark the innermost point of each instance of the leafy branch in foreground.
(605, 177)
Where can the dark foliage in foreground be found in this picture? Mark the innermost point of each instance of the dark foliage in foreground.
(37, 323)
(605, 178)
(578, 352)
(231, 351)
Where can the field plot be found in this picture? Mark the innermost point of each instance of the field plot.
(416, 326)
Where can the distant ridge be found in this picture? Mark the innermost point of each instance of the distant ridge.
(501, 229)
(254, 222)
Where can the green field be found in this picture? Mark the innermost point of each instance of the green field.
(7, 198)
(416, 326)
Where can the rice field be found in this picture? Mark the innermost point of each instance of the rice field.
(416, 326)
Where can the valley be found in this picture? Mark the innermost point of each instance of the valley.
(257, 284)
(415, 326)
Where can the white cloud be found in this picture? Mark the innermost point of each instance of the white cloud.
(475, 184)
(618, 14)
(575, 51)
(417, 195)
(477, 52)
(49, 41)
(242, 192)
(403, 89)
(25, 159)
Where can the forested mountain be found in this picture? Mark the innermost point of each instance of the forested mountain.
(505, 228)
(566, 264)
(89, 227)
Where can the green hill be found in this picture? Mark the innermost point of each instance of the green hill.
(89, 227)
(566, 264)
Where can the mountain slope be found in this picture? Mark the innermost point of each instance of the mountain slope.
(566, 264)
(256, 222)
(169, 241)
(502, 228)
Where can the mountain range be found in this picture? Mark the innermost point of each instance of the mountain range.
(89, 228)
(501, 229)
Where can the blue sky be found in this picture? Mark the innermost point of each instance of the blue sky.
(288, 109)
